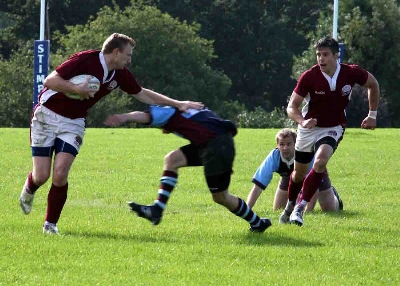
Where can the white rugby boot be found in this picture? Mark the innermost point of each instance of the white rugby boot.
(50, 228)
(26, 201)
(297, 215)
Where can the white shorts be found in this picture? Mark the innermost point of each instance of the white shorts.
(306, 138)
(47, 125)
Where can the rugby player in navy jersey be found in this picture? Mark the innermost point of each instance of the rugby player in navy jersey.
(58, 121)
(211, 146)
(281, 161)
(326, 88)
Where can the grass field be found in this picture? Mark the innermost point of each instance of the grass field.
(198, 242)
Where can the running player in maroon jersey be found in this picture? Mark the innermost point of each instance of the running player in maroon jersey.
(211, 146)
(326, 88)
(58, 121)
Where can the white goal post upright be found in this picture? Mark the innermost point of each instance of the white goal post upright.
(335, 28)
(335, 18)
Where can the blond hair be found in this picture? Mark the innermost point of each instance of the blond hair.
(116, 41)
(285, 133)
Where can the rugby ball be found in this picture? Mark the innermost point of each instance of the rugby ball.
(93, 83)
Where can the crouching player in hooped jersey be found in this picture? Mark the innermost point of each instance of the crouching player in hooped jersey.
(211, 146)
(58, 121)
(326, 88)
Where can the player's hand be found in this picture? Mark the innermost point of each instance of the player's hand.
(368, 123)
(186, 105)
(84, 91)
(309, 123)
(114, 120)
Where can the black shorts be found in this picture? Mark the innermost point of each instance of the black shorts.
(217, 158)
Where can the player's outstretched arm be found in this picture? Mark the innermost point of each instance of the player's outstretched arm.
(154, 98)
(135, 116)
(373, 98)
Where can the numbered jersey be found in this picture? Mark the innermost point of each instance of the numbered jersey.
(89, 62)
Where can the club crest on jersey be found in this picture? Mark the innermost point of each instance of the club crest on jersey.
(78, 141)
(346, 90)
(112, 85)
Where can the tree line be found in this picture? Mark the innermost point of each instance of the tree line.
(242, 58)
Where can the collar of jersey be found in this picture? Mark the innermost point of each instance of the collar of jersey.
(105, 69)
(287, 162)
(332, 80)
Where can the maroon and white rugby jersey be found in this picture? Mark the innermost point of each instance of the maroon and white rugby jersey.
(326, 98)
(87, 62)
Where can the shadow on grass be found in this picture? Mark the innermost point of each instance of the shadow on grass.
(340, 214)
(145, 237)
(267, 238)
(277, 239)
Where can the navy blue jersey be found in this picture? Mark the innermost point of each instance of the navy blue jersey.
(197, 126)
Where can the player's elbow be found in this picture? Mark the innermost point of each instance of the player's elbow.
(372, 82)
(47, 82)
(290, 111)
(50, 80)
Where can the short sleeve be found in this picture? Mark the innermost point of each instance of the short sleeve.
(264, 173)
(303, 84)
(72, 65)
(360, 75)
(127, 82)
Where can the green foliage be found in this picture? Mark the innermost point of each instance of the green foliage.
(372, 40)
(16, 88)
(24, 17)
(4, 20)
(308, 57)
(169, 57)
(254, 41)
(230, 110)
(259, 118)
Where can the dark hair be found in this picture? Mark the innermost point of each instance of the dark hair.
(327, 42)
(116, 41)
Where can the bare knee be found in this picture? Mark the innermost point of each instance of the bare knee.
(40, 177)
(320, 165)
(174, 160)
(62, 165)
(328, 201)
(220, 198)
(298, 175)
(60, 175)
